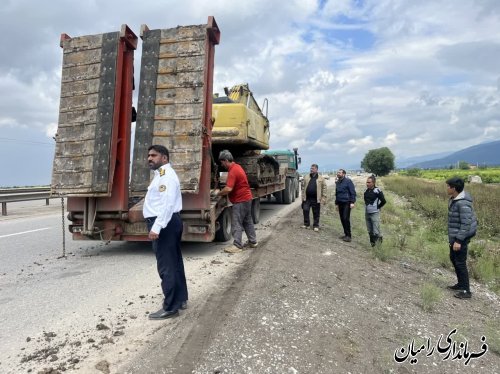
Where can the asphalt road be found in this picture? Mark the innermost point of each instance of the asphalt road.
(50, 306)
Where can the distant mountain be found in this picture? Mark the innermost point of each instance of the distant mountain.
(482, 154)
(402, 163)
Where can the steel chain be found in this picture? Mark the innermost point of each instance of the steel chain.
(63, 229)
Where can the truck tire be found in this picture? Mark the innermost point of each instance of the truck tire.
(256, 210)
(279, 197)
(223, 233)
(287, 192)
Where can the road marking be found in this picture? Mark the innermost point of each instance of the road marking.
(24, 232)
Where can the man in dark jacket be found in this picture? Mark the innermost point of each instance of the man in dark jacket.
(462, 226)
(313, 195)
(374, 200)
(345, 197)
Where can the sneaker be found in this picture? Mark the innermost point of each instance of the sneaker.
(346, 238)
(304, 227)
(455, 287)
(463, 294)
(316, 229)
(233, 249)
(250, 244)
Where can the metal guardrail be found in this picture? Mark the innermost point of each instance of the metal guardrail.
(23, 194)
(15, 190)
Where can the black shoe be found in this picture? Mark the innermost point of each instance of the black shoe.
(184, 305)
(455, 287)
(346, 238)
(164, 314)
(463, 294)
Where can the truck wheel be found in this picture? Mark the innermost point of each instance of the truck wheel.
(287, 193)
(223, 233)
(279, 197)
(256, 210)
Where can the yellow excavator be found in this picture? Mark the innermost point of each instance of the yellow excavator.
(241, 126)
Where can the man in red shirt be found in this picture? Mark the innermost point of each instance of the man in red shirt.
(239, 194)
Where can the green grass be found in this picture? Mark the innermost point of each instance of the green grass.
(430, 296)
(414, 226)
(492, 335)
(489, 175)
(418, 224)
(384, 251)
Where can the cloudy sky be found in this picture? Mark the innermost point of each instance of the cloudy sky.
(342, 77)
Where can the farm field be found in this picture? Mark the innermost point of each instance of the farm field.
(489, 175)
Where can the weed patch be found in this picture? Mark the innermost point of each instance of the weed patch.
(430, 295)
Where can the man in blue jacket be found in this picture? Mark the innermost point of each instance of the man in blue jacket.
(462, 226)
(345, 197)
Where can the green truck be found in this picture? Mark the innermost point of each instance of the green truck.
(290, 160)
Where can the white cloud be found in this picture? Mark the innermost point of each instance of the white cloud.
(8, 122)
(51, 130)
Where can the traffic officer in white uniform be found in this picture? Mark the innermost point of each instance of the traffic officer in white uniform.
(162, 206)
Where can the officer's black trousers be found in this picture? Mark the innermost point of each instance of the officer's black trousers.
(167, 249)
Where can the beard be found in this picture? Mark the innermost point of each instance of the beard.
(154, 165)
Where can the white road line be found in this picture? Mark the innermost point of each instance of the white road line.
(24, 232)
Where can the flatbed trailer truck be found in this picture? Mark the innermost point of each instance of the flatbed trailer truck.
(94, 167)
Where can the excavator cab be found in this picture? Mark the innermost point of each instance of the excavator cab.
(239, 121)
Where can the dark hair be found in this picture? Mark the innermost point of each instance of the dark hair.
(225, 155)
(343, 171)
(372, 177)
(315, 166)
(160, 149)
(456, 183)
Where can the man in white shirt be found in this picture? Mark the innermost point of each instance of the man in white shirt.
(161, 210)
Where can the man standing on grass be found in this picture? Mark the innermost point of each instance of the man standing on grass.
(374, 201)
(462, 226)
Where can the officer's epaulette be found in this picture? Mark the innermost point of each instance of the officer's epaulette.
(162, 172)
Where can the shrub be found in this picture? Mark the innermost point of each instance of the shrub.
(430, 295)
(414, 172)
(384, 251)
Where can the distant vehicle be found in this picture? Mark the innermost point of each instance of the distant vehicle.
(290, 161)
(358, 173)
